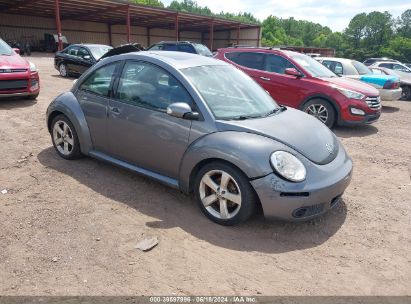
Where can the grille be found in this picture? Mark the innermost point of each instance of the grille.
(13, 84)
(13, 70)
(373, 102)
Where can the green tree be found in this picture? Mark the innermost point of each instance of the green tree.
(404, 24)
(356, 29)
(157, 3)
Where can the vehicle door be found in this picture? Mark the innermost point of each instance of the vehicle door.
(71, 59)
(286, 89)
(93, 95)
(139, 129)
(251, 63)
(85, 60)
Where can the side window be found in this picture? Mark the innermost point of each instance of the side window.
(156, 47)
(277, 64)
(334, 66)
(149, 86)
(386, 65)
(186, 48)
(82, 52)
(398, 67)
(170, 47)
(73, 51)
(248, 60)
(99, 81)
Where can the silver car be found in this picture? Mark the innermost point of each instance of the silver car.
(202, 126)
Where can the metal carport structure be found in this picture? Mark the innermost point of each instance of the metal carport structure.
(113, 13)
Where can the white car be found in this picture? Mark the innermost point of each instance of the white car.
(396, 66)
(388, 85)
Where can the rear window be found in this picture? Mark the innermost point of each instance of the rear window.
(202, 50)
(361, 68)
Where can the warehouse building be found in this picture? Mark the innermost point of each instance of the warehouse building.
(116, 22)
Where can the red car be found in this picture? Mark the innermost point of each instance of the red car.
(298, 81)
(18, 77)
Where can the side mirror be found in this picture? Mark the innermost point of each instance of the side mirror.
(182, 110)
(293, 72)
(86, 57)
(16, 50)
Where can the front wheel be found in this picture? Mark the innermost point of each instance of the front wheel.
(63, 70)
(322, 110)
(406, 92)
(64, 137)
(224, 194)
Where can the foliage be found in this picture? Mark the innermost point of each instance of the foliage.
(374, 34)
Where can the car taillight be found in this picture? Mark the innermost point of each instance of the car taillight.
(390, 85)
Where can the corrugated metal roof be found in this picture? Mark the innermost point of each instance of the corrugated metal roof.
(114, 12)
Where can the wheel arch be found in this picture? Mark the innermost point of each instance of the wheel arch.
(67, 104)
(327, 98)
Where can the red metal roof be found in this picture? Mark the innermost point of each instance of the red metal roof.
(114, 12)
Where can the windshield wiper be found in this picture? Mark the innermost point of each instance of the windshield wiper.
(244, 117)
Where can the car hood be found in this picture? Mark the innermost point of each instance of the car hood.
(13, 62)
(296, 129)
(354, 85)
(375, 80)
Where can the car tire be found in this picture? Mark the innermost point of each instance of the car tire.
(63, 70)
(64, 138)
(228, 204)
(406, 92)
(322, 110)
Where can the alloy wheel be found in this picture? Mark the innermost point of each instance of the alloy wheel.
(318, 111)
(63, 137)
(220, 194)
(63, 70)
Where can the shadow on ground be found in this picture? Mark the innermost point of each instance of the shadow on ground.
(388, 109)
(174, 209)
(14, 103)
(355, 131)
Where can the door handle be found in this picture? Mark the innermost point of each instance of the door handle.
(114, 110)
(265, 78)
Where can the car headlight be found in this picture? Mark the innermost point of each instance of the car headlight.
(350, 94)
(288, 166)
(33, 67)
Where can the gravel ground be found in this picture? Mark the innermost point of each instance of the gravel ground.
(70, 227)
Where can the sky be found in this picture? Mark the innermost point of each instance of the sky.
(335, 14)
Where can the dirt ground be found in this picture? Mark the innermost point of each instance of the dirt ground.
(70, 227)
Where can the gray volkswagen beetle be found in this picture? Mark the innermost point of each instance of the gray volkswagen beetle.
(202, 126)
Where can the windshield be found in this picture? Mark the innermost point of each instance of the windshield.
(99, 51)
(5, 49)
(361, 68)
(202, 50)
(229, 93)
(311, 65)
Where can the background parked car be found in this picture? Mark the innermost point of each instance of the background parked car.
(370, 61)
(297, 80)
(405, 79)
(396, 66)
(77, 58)
(18, 77)
(388, 85)
(181, 46)
(204, 127)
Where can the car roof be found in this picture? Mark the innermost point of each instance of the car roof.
(89, 44)
(177, 42)
(259, 49)
(178, 60)
(336, 59)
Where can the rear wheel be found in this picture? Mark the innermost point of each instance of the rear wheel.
(224, 194)
(64, 137)
(63, 70)
(322, 110)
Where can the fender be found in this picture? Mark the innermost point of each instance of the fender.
(67, 104)
(248, 152)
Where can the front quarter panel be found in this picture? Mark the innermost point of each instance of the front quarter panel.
(248, 152)
(68, 105)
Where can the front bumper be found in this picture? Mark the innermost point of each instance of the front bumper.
(18, 95)
(321, 191)
(361, 120)
(390, 95)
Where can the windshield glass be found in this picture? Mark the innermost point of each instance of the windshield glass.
(202, 50)
(312, 66)
(99, 51)
(230, 93)
(5, 49)
(361, 68)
